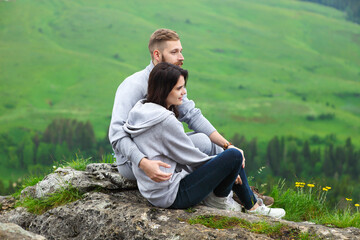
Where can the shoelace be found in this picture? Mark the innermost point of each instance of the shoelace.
(264, 208)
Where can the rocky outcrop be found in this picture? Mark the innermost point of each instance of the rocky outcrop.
(96, 176)
(120, 212)
(11, 231)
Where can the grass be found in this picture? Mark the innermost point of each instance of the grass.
(257, 68)
(308, 204)
(285, 55)
(27, 182)
(276, 230)
(108, 158)
(78, 163)
(40, 205)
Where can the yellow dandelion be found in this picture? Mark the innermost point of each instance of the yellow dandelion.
(328, 187)
(325, 189)
(348, 199)
(311, 185)
(357, 205)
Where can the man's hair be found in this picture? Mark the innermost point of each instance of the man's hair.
(158, 39)
(162, 80)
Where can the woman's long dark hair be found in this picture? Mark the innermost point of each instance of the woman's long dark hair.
(162, 80)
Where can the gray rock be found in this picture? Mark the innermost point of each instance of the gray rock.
(127, 215)
(120, 212)
(11, 231)
(19, 216)
(6, 202)
(97, 175)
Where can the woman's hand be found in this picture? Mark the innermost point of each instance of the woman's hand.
(242, 153)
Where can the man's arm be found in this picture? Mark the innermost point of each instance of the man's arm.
(178, 146)
(150, 167)
(127, 95)
(193, 117)
(197, 122)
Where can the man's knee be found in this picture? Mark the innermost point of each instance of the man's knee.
(202, 142)
(125, 170)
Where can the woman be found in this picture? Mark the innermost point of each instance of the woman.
(155, 129)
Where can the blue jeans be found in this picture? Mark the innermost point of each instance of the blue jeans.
(218, 175)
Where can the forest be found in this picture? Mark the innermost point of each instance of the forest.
(350, 7)
(285, 157)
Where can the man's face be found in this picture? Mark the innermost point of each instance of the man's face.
(172, 53)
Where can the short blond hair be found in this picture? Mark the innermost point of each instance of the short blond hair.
(159, 37)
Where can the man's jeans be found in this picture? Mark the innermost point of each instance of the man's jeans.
(218, 175)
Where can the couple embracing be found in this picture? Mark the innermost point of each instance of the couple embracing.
(175, 169)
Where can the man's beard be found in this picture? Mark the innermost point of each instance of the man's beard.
(179, 63)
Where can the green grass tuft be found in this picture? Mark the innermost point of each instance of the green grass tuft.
(340, 218)
(303, 204)
(27, 182)
(108, 158)
(79, 163)
(274, 231)
(190, 210)
(63, 196)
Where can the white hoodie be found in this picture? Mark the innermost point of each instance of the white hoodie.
(160, 136)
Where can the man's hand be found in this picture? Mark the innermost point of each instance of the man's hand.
(152, 170)
(242, 153)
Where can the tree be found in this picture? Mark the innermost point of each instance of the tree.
(329, 161)
(36, 141)
(2, 188)
(273, 155)
(45, 154)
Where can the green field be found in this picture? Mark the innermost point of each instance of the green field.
(257, 67)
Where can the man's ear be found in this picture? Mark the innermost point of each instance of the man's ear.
(157, 55)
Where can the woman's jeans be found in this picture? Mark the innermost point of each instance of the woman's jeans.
(218, 175)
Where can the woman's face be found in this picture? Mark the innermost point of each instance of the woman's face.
(175, 97)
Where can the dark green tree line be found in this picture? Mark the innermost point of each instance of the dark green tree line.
(350, 7)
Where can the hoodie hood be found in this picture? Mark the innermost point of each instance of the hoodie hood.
(144, 116)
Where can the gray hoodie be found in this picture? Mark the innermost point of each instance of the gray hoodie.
(159, 135)
(130, 91)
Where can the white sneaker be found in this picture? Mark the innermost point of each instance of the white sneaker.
(226, 203)
(266, 211)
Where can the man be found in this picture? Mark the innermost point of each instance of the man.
(164, 46)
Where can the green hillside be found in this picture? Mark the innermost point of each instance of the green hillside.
(257, 67)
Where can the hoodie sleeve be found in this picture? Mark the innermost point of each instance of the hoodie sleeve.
(194, 118)
(178, 146)
(127, 94)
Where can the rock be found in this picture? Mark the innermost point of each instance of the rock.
(11, 231)
(127, 215)
(19, 216)
(6, 202)
(97, 175)
(120, 212)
